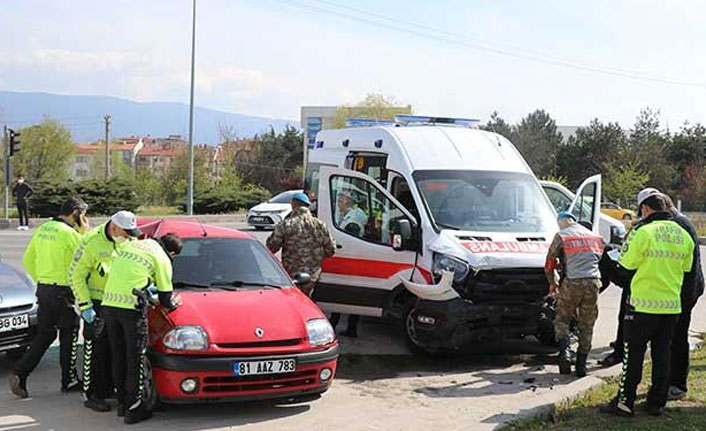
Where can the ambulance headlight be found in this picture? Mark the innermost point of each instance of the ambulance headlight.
(186, 338)
(320, 332)
(444, 262)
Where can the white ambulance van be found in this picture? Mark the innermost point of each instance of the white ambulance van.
(438, 224)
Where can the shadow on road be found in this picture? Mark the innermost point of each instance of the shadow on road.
(47, 408)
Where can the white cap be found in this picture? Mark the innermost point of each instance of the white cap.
(646, 193)
(126, 221)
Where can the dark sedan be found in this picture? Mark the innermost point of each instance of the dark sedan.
(18, 311)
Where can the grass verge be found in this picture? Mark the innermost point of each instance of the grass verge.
(582, 414)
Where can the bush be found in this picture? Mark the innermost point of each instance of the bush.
(103, 198)
(219, 200)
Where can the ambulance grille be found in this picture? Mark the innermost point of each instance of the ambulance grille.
(508, 286)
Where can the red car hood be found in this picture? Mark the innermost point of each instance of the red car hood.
(231, 317)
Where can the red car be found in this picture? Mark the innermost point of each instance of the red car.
(243, 332)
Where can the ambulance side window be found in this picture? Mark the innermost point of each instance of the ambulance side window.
(362, 210)
(400, 190)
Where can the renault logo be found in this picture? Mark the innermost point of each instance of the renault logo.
(259, 332)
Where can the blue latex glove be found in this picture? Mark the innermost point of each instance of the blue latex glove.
(89, 315)
(152, 290)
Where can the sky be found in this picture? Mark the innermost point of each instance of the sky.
(579, 60)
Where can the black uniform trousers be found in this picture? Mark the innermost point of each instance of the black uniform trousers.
(680, 351)
(127, 334)
(55, 312)
(97, 377)
(641, 328)
(619, 338)
(22, 212)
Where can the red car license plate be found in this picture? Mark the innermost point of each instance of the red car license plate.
(274, 366)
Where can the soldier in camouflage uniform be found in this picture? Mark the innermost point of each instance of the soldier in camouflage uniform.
(578, 251)
(304, 240)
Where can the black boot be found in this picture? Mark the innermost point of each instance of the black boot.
(96, 404)
(581, 364)
(139, 414)
(564, 357)
(18, 385)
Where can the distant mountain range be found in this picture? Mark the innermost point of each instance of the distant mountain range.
(84, 116)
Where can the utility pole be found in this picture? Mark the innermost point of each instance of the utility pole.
(6, 152)
(107, 146)
(190, 196)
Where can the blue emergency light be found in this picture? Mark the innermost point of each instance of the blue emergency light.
(412, 119)
(365, 122)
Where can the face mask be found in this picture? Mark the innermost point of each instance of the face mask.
(120, 240)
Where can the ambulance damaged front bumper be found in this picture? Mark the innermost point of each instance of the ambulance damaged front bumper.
(489, 305)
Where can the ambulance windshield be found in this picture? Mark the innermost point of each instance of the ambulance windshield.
(485, 201)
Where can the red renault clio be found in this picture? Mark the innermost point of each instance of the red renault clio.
(243, 332)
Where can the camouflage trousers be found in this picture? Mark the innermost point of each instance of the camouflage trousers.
(577, 298)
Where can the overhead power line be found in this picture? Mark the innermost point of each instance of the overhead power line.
(431, 33)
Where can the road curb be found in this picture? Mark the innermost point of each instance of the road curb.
(564, 396)
(95, 221)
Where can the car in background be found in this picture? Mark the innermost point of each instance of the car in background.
(268, 214)
(615, 211)
(612, 230)
(243, 331)
(18, 311)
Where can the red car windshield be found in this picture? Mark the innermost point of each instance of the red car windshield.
(246, 263)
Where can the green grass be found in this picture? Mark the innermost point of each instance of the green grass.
(582, 414)
(151, 211)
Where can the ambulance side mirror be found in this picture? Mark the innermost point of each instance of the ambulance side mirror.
(402, 239)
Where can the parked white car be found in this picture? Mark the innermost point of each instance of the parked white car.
(268, 214)
(611, 229)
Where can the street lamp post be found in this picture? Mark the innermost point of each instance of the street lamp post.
(190, 196)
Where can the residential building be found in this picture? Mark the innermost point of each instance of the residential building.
(89, 157)
(156, 154)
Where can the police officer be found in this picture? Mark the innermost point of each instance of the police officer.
(659, 252)
(137, 266)
(47, 260)
(579, 251)
(304, 240)
(692, 289)
(88, 274)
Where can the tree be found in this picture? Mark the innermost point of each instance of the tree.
(590, 151)
(686, 155)
(274, 160)
(537, 139)
(623, 181)
(650, 145)
(46, 152)
(118, 168)
(497, 125)
(175, 183)
(375, 106)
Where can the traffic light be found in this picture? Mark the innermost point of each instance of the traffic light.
(14, 142)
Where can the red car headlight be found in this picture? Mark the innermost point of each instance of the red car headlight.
(186, 338)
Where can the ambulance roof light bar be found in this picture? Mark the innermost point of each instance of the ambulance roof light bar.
(365, 122)
(421, 119)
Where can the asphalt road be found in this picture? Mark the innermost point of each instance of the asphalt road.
(379, 385)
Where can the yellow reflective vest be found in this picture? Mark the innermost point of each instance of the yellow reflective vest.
(660, 252)
(91, 265)
(137, 265)
(50, 252)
